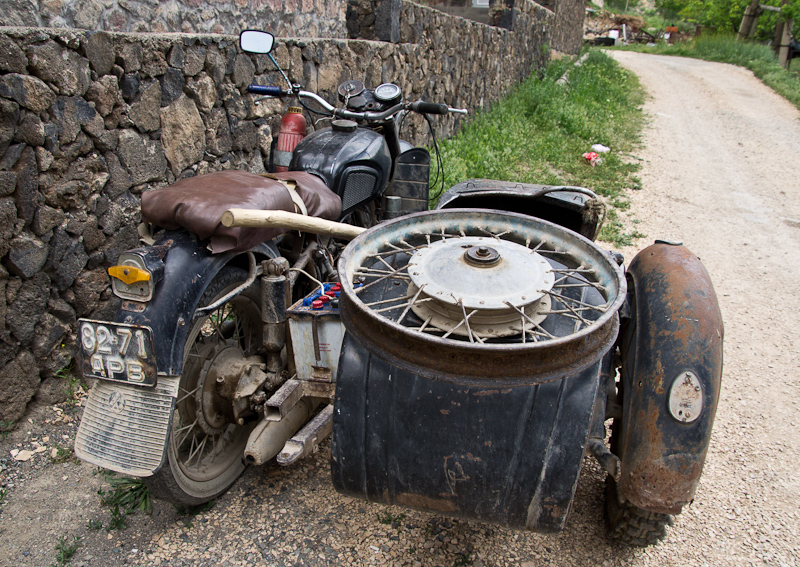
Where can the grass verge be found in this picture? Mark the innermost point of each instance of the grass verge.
(540, 131)
(724, 48)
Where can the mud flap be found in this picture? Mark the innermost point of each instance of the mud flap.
(125, 429)
(671, 372)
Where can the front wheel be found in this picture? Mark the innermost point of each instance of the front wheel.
(204, 451)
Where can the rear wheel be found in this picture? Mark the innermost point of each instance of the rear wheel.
(204, 451)
(631, 525)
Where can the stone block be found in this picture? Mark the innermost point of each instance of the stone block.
(142, 157)
(26, 255)
(100, 51)
(12, 58)
(19, 380)
(183, 134)
(30, 92)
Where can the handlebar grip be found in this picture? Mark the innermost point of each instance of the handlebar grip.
(429, 107)
(268, 90)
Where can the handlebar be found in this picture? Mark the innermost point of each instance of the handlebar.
(419, 106)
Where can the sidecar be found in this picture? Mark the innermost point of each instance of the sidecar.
(485, 351)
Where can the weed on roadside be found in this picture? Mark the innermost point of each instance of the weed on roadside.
(126, 494)
(117, 521)
(65, 550)
(94, 525)
(462, 560)
(63, 454)
(6, 427)
(388, 518)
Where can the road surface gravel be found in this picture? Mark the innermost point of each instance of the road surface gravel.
(720, 172)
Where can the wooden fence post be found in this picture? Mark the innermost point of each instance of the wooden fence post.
(750, 15)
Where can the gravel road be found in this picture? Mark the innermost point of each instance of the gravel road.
(720, 173)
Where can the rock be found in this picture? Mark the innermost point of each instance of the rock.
(243, 70)
(18, 382)
(12, 58)
(99, 49)
(145, 112)
(70, 114)
(123, 211)
(129, 86)
(203, 91)
(8, 217)
(27, 192)
(233, 101)
(195, 60)
(28, 305)
(218, 133)
(87, 13)
(9, 116)
(52, 391)
(84, 177)
(31, 130)
(93, 237)
(26, 255)
(183, 134)
(171, 86)
(265, 140)
(48, 335)
(30, 92)
(88, 288)
(70, 266)
(19, 13)
(245, 136)
(125, 239)
(62, 310)
(105, 94)
(12, 155)
(8, 182)
(215, 64)
(177, 56)
(153, 63)
(46, 219)
(60, 66)
(44, 158)
(143, 158)
(131, 56)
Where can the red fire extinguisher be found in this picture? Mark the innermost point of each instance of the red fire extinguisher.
(293, 129)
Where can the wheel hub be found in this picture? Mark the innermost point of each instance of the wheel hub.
(214, 411)
(479, 285)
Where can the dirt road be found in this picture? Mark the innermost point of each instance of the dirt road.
(720, 173)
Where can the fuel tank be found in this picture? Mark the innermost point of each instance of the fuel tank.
(354, 162)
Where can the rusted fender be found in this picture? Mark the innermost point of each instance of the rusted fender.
(672, 367)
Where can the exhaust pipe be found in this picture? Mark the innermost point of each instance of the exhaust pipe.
(269, 437)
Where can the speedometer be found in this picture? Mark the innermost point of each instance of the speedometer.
(388, 93)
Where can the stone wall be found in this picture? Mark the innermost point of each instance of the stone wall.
(284, 18)
(90, 120)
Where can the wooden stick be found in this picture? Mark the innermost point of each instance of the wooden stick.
(283, 219)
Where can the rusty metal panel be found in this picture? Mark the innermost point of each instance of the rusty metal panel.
(672, 366)
(509, 456)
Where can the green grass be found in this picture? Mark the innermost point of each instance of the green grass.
(65, 550)
(126, 494)
(540, 131)
(724, 48)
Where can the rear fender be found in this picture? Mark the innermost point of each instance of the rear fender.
(672, 366)
(189, 267)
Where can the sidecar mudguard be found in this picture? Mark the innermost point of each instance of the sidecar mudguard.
(189, 267)
(508, 456)
(671, 370)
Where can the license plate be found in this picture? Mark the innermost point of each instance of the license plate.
(117, 352)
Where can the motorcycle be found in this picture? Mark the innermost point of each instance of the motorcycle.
(464, 358)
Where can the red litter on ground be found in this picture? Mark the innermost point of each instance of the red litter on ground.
(593, 158)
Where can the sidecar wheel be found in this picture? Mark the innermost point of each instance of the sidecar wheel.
(204, 452)
(630, 525)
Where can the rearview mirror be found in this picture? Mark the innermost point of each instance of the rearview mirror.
(256, 41)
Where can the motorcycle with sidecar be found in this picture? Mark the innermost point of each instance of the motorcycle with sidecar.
(464, 359)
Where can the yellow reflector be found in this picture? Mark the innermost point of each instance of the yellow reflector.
(129, 274)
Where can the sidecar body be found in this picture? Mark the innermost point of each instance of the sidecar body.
(439, 409)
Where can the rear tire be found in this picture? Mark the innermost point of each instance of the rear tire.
(631, 525)
(204, 451)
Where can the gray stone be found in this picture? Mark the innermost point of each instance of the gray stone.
(131, 56)
(177, 56)
(143, 158)
(66, 154)
(145, 112)
(171, 86)
(120, 179)
(52, 390)
(87, 13)
(8, 217)
(12, 58)
(95, 127)
(60, 66)
(70, 266)
(26, 255)
(12, 155)
(48, 335)
(195, 60)
(9, 116)
(107, 141)
(93, 237)
(154, 64)
(19, 13)
(71, 113)
(27, 192)
(243, 70)
(88, 288)
(105, 94)
(218, 133)
(123, 211)
(30, 92)
(183, 134)
(215, 64)
(100, 51)
(84, 178)
(96, 259)
(44, 158)
(125, 239)
(245, 136)
(46, 219)
(203, 91)
(28, 305)
(234, 102)
(387, 20)
(62, 310)
(19, 380)
(8, 182)
(31, 130)
(129, 86)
